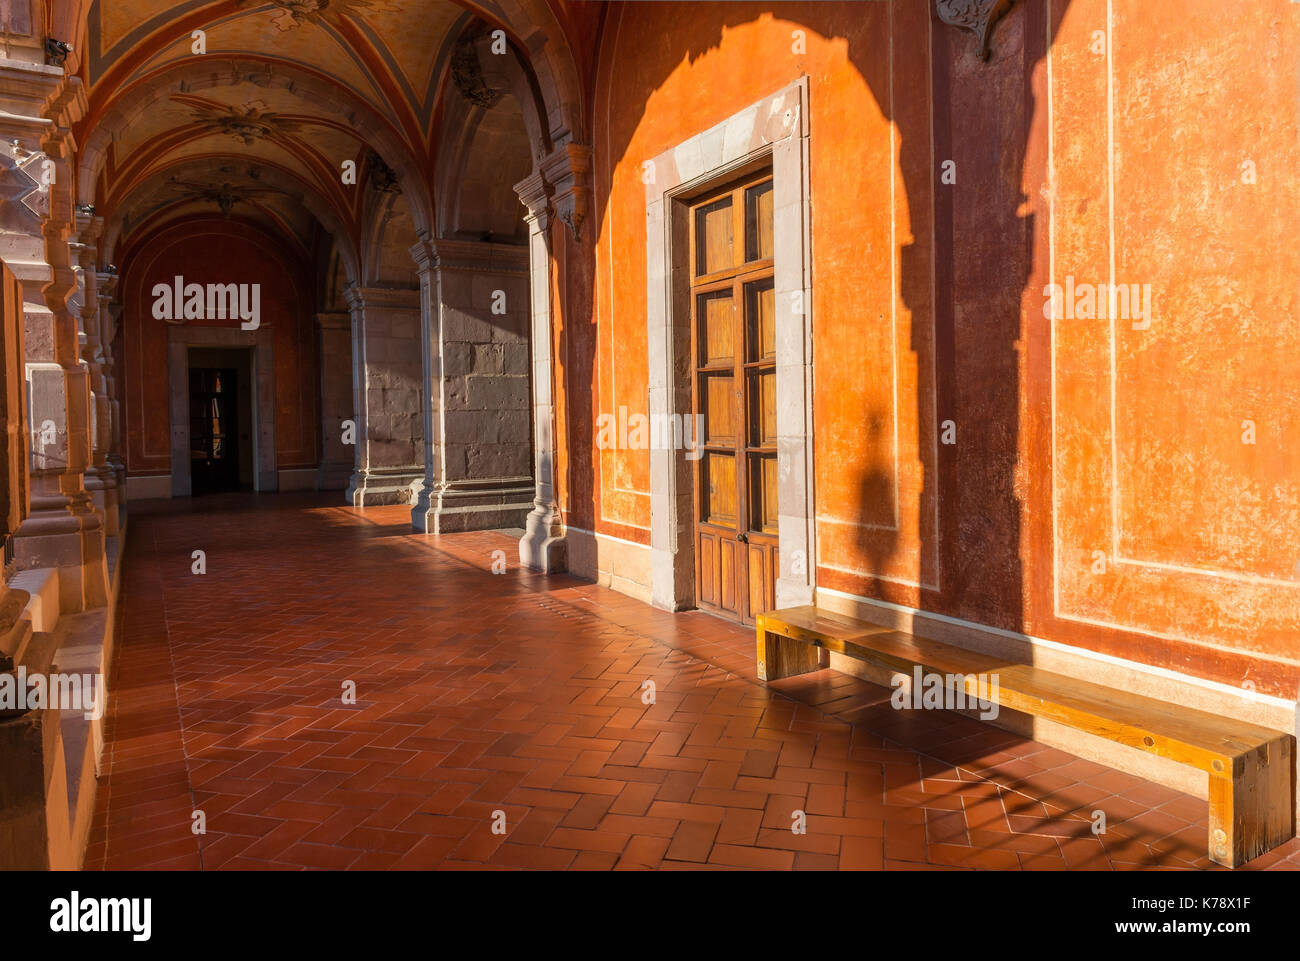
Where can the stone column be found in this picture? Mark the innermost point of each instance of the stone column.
(335, 331)
(101, 479)
(386, 381)
(38, 105)
(543, 546)
(110, 313)
(478, 460)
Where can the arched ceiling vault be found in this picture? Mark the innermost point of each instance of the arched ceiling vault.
(235, 186)
(298, 87)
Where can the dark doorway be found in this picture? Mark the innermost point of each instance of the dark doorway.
(214, 429)
(222, 419)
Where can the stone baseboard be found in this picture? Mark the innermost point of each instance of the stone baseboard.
(373, 488)
(611, 562)
(473, 506)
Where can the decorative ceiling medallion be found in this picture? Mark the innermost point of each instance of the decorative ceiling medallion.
(295, 13)
(248, 123)
(224, 195)
(977, 16)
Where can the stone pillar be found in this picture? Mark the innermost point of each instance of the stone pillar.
(110, 312)
(38, 106)
(386, 380)
(334, 330)
(477, 451)
(101, 479)
(543, 546)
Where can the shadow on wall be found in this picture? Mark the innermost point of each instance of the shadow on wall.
(979, 274)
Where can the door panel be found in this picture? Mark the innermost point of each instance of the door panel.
(707, 568)
(727, 579)
(719, 493)
(758, 222)
(717, 313)
(714, 224)
(719, 396)
(762, 559)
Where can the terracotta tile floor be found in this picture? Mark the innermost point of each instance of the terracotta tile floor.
(479, 693)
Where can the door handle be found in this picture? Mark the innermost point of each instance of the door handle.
(742, 538)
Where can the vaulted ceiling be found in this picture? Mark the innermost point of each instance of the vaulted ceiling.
(256, 107)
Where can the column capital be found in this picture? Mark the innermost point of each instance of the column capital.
(535, 194)
(359, 298)
(444, 254)
(425, 254)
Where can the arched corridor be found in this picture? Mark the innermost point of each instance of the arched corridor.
(834, 434)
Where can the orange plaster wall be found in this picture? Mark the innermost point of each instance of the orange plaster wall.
(928, 309)
(217, 251)
(1200, 529)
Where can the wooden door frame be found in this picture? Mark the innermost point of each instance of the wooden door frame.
(773, 132)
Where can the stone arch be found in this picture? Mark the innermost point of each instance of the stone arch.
(543, 39)
(389, 235)
(476, 199)
(272, 175)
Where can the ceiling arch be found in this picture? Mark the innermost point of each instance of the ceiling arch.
(268, 194)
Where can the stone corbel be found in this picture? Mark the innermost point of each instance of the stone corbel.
(977, 16)
(566, 170)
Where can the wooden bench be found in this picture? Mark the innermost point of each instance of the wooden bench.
(1251, 768)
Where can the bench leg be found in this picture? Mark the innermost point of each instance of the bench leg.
(780, 656)
(1255, 811)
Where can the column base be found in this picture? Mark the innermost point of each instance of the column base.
(543, 546)
(67, 535)
(372, 488)
(472, 506)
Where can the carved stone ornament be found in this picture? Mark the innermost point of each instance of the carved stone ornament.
(382, 177)
(467, 72)
(295, 13)
(977, 16)
(26, 180)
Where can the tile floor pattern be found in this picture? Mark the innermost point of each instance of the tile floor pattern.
(479, 693)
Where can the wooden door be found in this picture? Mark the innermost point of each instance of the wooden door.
(734, 391)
